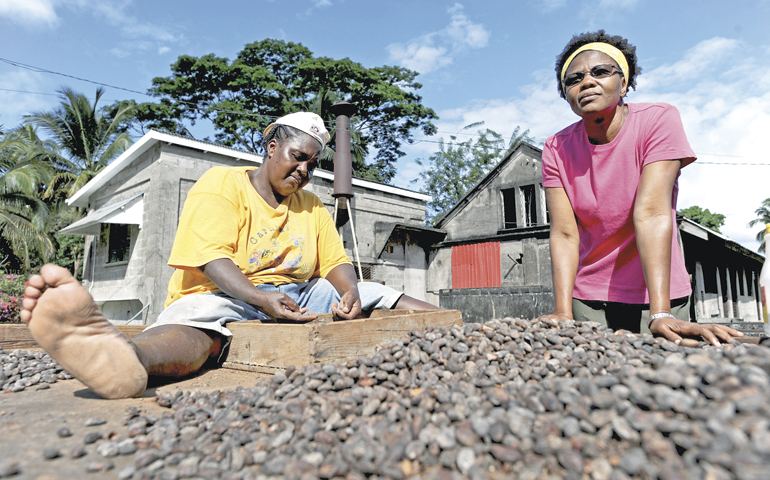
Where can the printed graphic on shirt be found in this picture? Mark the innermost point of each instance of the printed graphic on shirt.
(283, 255)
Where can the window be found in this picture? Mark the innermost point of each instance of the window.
(530, 205)
(367, 270)
(509, 208)
(118, 242)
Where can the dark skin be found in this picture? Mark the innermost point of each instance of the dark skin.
(178, 350)
(600, 103)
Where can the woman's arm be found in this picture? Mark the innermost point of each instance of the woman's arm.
(229, 278)
(564, 245)
(654, 231)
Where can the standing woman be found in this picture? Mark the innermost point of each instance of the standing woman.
(611, 188)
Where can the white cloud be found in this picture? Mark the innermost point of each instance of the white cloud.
(705, 57)
(29, 12)
(434, 50)
(618, 4)
(163, 50)
(114, 12)
(726, 116)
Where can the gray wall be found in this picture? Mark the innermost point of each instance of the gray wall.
(480, 305)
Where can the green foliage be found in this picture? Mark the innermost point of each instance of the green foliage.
(763, 218)
(704, 217)
(452, 171)
(11, 295)
(23, 214)
(87, 139)
(272, 78)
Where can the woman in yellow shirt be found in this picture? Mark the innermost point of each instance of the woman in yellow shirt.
(250, 245)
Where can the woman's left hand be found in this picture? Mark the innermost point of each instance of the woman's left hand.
(349, 306)
(673, 329)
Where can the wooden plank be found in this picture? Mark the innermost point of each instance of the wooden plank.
(14, 337)
(17, 336)
(342, 341)
(274, 345)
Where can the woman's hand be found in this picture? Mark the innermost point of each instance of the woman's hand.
(562, 317)
(349, 306)
(280, 306)
(673, 329)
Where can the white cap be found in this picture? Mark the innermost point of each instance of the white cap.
(308, 122)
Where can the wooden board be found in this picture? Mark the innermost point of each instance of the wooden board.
(277, 346)
(17, 336)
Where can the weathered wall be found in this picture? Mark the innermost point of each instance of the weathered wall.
(165, 173)
(524, 252)
(482, 215)
(479, 305)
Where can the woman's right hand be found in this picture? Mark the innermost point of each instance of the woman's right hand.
(563, 317)
(280, 306)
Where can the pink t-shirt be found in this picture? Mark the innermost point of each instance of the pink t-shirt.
(601, 182)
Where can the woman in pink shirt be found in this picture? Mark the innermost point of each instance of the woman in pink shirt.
(611, 187)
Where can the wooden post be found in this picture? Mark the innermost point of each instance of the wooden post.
(700, 295)
(729, 306)
(719, 295)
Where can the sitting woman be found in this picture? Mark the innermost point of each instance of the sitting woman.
(611, 187)
(251, 244)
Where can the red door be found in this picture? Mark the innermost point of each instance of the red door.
(476, 265)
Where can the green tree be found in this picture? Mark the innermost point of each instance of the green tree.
(763, 218)
(704, 217)
(87, 138)
(23, 214)
(452, 171)
(271, 78)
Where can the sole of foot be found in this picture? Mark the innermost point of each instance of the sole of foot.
(63, 319)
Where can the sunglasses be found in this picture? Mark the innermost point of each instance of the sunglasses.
(599, 71)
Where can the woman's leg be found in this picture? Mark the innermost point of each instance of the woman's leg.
(64, 319)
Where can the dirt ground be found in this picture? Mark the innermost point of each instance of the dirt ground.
(29, 422)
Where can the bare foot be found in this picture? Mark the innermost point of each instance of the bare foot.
(63, 318)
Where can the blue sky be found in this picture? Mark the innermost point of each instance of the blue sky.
(478, 60)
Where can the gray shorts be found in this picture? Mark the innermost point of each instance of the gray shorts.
(626, 316)
(211, 311)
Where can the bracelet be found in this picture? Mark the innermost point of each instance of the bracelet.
(659, 315)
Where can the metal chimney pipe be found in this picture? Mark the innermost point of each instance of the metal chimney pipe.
(343, 162)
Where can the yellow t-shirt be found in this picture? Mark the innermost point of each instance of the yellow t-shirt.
(225, 217)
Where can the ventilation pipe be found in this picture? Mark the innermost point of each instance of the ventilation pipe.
(343, 171)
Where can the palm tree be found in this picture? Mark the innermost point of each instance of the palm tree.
(88, 138)
(763, 218)
(23, 215)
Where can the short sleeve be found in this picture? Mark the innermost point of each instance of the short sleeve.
(551, 177)
(208, 227)
(666, 139)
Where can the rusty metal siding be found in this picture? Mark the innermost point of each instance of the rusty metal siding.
(476, 265)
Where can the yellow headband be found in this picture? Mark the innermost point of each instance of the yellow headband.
(606, 48)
